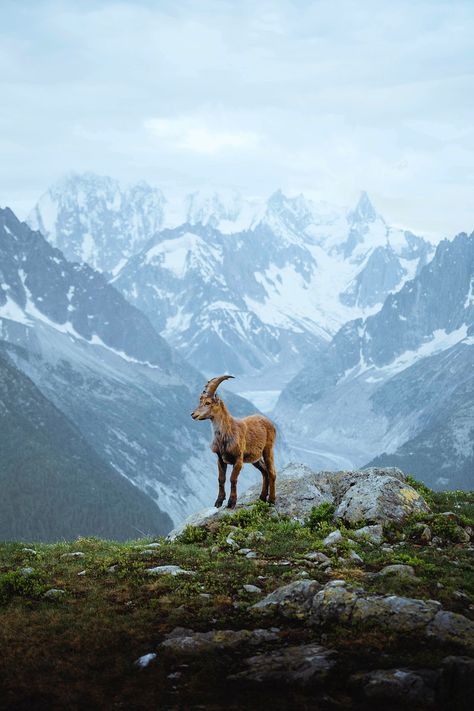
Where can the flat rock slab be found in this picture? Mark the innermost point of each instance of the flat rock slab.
(186, 640)
(303, 664)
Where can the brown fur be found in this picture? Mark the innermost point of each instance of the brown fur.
(236, 442)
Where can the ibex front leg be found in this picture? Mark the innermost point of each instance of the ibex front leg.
(233, 483)
(221, 467)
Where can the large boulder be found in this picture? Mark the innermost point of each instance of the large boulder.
(376, 495)
(337, 602)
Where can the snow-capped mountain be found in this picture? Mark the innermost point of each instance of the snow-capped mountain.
(93, 219)
(269, 295)
(99, 361)
(398, 382)
(249, 286)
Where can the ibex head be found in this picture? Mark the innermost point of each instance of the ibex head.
(208, 401)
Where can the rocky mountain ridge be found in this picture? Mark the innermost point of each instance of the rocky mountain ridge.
(405, 374)
(234, 284)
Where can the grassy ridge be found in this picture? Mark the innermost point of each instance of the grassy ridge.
(78, 649)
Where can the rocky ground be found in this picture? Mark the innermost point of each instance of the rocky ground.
(356, 591)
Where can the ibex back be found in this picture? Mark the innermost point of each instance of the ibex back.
(237, 441)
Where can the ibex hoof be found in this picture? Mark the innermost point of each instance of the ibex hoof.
(218, 503)
(271, 501)
(262, 497)
(231, 503)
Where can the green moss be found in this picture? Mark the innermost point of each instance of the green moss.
(16, 584)
(319, 515)
(422, 489)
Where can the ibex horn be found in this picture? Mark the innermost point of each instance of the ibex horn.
(211, 386)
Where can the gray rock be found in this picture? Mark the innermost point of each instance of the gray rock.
(75, 554)
(421, 532)
(304, 664)
(54, 592)
(27, 571)
(292, 599)
(252, 589)
(29, 550)
(333, 538)
(81, 573)
(375, 494)
(317, 557)
(244, 551)
(398, 569)
(401, 685)
(169, 570)
(372, 533)
(378, 497)
(145, 660)
(186, 640)
(452, 627)
(342, 604)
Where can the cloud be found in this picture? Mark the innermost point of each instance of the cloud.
(192, 134)
(327, 97)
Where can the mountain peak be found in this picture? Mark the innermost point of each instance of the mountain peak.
(364, 211)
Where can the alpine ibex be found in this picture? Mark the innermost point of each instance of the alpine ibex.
(236, 442)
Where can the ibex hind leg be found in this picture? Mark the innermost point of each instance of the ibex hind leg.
(221, 467)
(270, 465)
(260, 465)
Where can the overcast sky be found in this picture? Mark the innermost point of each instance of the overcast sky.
(326, 98)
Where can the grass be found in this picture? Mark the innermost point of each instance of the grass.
(78, 650)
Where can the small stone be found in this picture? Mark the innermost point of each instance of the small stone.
(459, 595)
(398, 569)
(206, 596)
(29, 550)
(54, 592)
(75, 554)
(169, 570)
(145, 660)
(230, 541)
(27, 571)
(82, 573)
(333, 538)
(147, 552)
(253, 589)
(112, 568)
(355, 557)
(317, 557)
(303, 574)
(244, 551)
(251, 554)
(154, 545)
(373, 533)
